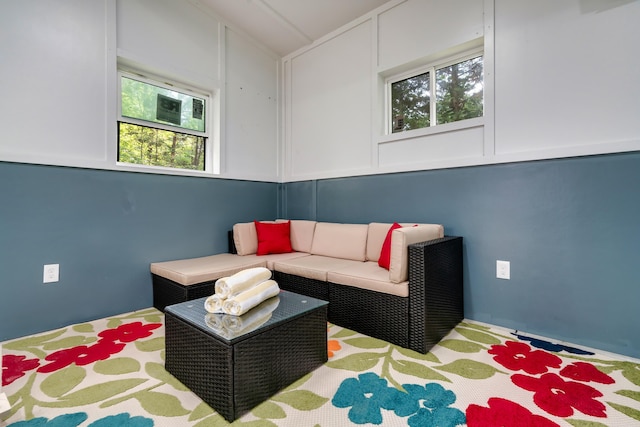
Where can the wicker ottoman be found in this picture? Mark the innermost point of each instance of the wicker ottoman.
(233, 374)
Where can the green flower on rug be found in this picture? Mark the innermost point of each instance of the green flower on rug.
(426, 406)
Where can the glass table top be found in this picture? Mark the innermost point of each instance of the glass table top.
(231, 329)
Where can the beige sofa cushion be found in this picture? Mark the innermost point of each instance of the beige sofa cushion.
(245, 238)
(301, 234)
(401, 238)
(376, 235)
(375, 238)
(271, 259)
(346, 241)
(204, 269)
(312, 266)
(368, 275)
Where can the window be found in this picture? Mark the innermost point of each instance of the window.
(161, 124)
(442, 93)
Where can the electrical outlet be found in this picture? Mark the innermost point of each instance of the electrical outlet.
(503, 270)
(51, 273)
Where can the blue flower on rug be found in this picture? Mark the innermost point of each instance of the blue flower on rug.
(429, 406)
(367, 396)
(122, 420)
(546, 345)
(66, 420)
(426, 406)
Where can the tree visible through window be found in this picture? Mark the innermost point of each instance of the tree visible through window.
(459, 92)
(161, 126)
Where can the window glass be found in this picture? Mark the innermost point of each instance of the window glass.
(149, 146)
(161, 124)
(441, 93)
(410, 99)
(144, 101)
(459, 91)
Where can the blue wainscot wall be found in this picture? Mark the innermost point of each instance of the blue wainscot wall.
(569, 227)
(104, 228)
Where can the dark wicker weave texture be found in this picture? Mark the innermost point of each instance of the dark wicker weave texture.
(435, 285)
(372, 313)
(167, 292)
(302, 285)
(233, 379)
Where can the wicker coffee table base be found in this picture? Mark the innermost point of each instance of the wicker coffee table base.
(233, 379)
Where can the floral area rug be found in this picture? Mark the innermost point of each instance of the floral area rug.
(110, 372)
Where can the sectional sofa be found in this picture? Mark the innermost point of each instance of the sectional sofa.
(401, 283)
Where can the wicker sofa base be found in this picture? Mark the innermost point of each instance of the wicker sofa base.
(376, 314)
(167, 292)
(233, 379)
(302, 285)
(418, 322)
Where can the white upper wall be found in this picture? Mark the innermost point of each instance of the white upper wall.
(59, 83)
(560, 80)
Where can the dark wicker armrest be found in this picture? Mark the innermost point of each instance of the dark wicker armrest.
(435, 291)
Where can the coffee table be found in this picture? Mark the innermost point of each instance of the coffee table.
(234, 363)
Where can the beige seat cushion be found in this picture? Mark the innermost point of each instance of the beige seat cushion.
(271, 259)
(368, 275)
(401, 238)
(346, 241)
(204, 269)
(312, 266)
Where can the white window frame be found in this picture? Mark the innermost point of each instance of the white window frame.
(169, 84)
(431, 68)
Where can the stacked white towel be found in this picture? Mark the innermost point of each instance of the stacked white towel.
(229, 326)
(241, 281)
(239, 293)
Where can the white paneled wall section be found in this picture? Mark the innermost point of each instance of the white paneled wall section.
(59, 81)
(559, 82)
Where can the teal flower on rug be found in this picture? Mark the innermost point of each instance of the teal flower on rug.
(74, 420)
(122, 420)
(426, 406)
(429, 406)
(367, 396)
(66, 420)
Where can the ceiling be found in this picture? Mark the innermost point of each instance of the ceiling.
(285, 26)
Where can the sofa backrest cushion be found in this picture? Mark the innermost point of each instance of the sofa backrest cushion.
(346, 241)
(401, 238)
(301, 234)
(376, 237)
(245, 238)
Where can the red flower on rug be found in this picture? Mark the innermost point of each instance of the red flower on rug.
(101, 350)
(129, 332)
(586, 372)
(14, 367)
(80, 355)
(505, 413)
(518, 356)
(558, 397)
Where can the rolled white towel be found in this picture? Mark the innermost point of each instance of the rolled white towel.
(213, 304)
(245, 301)
(241, 281)
(254, 318)
(216, 323)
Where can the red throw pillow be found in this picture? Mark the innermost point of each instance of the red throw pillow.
(385, 254)
(273, 238)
